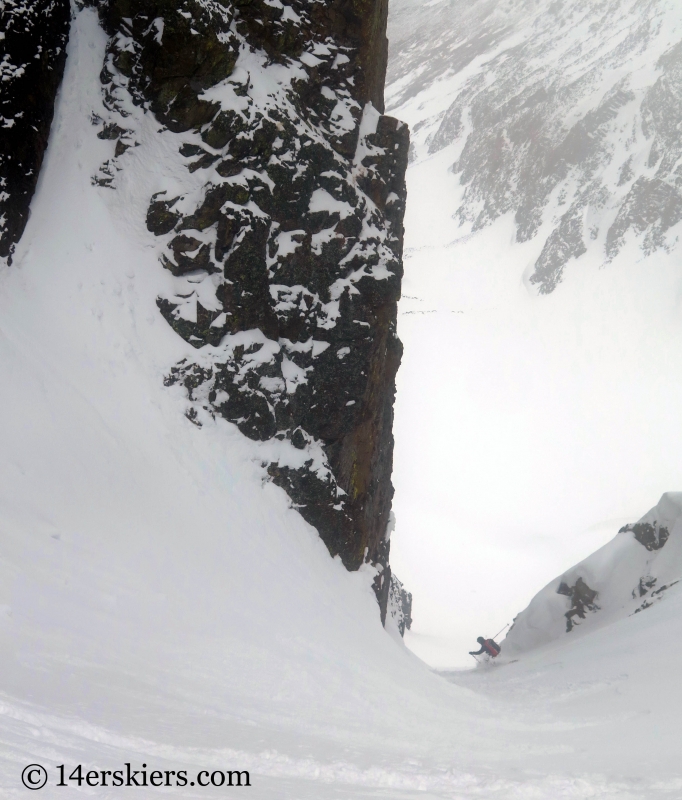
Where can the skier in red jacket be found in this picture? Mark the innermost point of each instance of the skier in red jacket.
(488, 646)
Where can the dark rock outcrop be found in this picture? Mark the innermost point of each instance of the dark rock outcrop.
(657, 594)
(33, 36)
(652, 536)
(286, 247)
(400, 605)
(582, 600)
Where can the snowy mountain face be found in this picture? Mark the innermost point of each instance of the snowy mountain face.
(276, 208)
(33, 36)
(563, 113)
(281, 223)
(630, 574)
(163, 603)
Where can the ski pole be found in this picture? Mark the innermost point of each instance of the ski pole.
(474, 657)
(499, 632)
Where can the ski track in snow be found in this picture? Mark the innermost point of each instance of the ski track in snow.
(160, 604)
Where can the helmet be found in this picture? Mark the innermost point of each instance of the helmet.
(480, 639)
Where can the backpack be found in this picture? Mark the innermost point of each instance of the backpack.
(491, 647)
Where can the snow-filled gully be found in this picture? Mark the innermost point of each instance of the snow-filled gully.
(161, 604)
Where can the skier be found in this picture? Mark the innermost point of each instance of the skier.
(488, 646)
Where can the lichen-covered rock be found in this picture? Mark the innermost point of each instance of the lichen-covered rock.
(33, 36)
(285, 240)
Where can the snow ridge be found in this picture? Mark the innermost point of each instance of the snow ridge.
(635, 571)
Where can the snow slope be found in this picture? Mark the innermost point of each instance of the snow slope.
(163, 605)
(529, 426)
(611, 694)
(627, 576)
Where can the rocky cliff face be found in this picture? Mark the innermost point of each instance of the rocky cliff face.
(282, 230)
(280, 222)
(33, 36)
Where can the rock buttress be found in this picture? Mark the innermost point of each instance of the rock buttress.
(33, 37)
(285, 240)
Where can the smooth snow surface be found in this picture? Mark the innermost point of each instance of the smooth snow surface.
(529, 427)
(160, 604)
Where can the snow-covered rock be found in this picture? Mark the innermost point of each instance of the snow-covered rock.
(275, 198)
(400, 605)
(278, 211)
